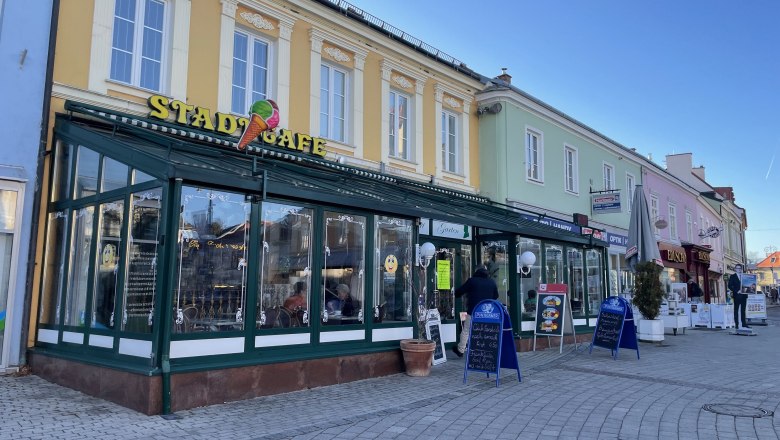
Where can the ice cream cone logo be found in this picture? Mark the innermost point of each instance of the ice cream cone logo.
(263, 115)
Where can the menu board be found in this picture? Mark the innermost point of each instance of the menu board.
(550, 314)
(608, 327)
(483, 346)
(433, 332)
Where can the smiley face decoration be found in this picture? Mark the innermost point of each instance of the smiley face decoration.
(391, 263)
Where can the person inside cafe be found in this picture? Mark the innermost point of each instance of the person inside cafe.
(296, 301)
(529, 305)
(343, 303)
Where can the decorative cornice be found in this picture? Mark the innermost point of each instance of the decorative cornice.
(402, 81)
(229, 7)
(451, 102)
(337, 54)
(257, 21)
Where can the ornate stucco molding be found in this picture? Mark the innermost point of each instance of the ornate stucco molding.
(257, 21)
(402, 81)
(337, 54)
(452, 102)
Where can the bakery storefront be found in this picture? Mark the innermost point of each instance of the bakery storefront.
(192, 273)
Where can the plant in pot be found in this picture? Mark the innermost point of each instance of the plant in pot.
(418, 353)
(648, 295)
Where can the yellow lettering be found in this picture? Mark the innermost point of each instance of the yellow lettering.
(202, 119)
(302, 141)
(318, 147)
(243, 123)
(181, 110)
(226, 124)
(269, 137)
(285, 139)
(158, 105)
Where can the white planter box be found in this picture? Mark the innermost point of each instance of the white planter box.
(651, 330)
(676, 322)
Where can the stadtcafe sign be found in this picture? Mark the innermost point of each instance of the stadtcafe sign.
(163, 108)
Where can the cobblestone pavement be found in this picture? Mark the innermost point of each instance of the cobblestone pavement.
(574, 395)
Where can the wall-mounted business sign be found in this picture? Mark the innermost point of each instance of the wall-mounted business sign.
(261, 124)
(559, 224)
(451, 230)
(605, 203)
(597, 234)
(617, 239)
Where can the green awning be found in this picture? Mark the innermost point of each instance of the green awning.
(168, 151)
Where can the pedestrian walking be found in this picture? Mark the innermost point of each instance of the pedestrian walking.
(477, 288)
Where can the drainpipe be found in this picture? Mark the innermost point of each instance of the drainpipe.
(55, 12)
(166, 301)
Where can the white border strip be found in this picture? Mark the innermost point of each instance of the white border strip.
(527, 325)
(48, 336)
(391, 334)
(73, 337)
(101, 341)
(277, 340)
(206, 347)
(581, 322)
(349, 335)
(135, 347)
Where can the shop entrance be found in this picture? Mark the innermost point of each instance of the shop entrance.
(449, 268)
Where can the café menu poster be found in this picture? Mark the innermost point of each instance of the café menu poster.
(550, 309)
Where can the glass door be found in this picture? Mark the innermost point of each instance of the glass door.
(495, 257)
(576, 280)
(8, 232)
(449, 268)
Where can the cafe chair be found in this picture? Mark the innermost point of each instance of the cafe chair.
(271, 317)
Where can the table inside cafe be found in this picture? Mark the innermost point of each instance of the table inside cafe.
(336, 318)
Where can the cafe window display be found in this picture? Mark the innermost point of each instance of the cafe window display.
(393, 269)
(441, 293)
(85, 255)
(576, 280)
(554, 264)
(343, 271)
(285, 266)
(594, 280)
(141, 268)
(211, 261)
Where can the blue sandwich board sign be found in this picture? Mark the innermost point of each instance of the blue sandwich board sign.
(615, 327)
(491, 345)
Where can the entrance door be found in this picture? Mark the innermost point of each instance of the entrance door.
(448, 269)
(10, 197)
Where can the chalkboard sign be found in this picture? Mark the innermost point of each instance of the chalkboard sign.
(484, 346)
(433, 332)
(615, 327)
(608, 327)
(491, 344)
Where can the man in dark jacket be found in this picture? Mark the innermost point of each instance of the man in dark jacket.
(740, 299)
(477, 288)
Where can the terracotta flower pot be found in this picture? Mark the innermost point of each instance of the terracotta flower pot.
(418, 356)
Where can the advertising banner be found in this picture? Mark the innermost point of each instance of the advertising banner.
(756, 306)
(605, 203)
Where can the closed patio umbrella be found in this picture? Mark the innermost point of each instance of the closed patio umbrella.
(641, 237)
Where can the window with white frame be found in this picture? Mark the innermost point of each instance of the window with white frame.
(609, 177)
(534, 156)
(654, 212)
(450, 159)
(138, 44)
(571, 178)
(251, 58)
(399, 125)
(630, 187)
(673, 221)
(688, 225)
(333, 103)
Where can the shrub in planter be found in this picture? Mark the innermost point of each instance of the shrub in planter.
(648, 291)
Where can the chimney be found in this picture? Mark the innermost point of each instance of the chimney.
(507, 78)
(699, 172)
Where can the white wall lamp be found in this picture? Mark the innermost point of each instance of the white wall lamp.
(527, 260)
(425, 253)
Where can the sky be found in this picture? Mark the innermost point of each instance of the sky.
(661, 76)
